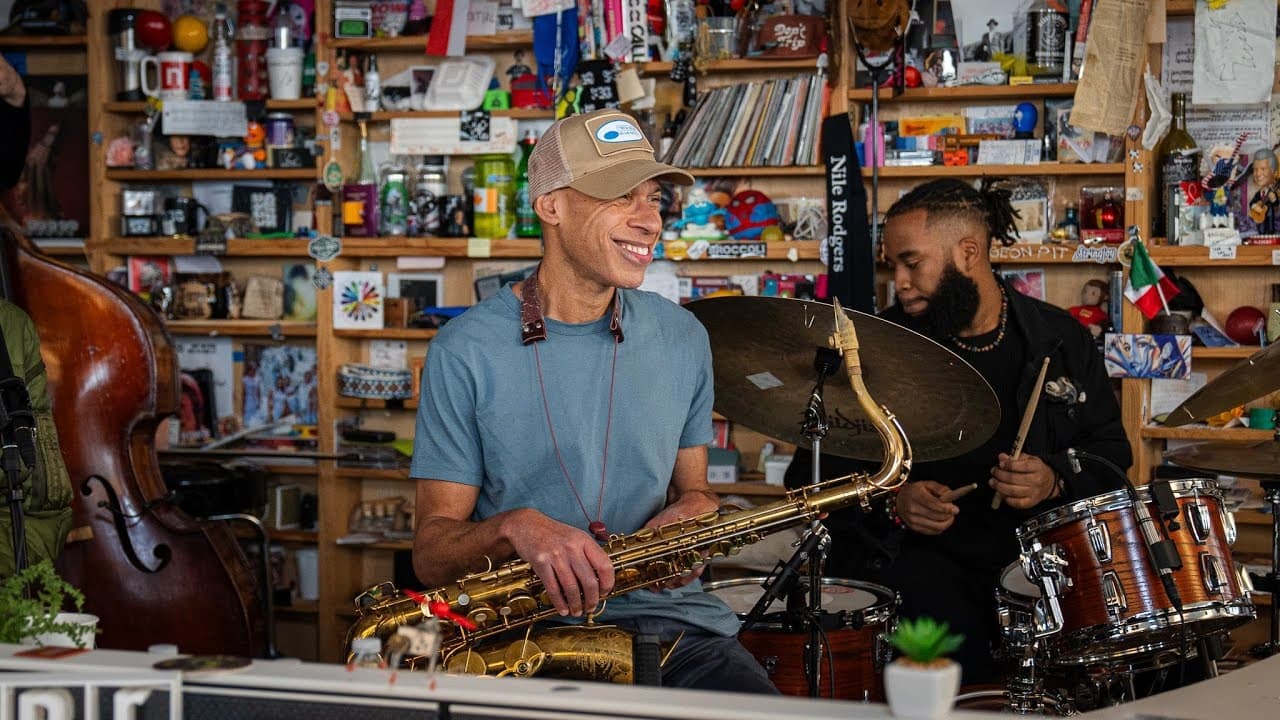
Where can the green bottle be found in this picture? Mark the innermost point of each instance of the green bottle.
(527, 225)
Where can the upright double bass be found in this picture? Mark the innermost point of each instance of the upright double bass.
(150, 572)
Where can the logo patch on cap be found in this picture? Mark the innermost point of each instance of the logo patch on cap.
(618, 131)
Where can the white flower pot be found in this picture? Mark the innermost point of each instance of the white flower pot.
(920, 693)
(63, 639)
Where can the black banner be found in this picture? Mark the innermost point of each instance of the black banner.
(851, 269)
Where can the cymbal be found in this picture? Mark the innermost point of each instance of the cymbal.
(1260, 460)
(764, 349)
(1258, 375)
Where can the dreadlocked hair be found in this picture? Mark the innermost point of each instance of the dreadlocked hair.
(949, 198)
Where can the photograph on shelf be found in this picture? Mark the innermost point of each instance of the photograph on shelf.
(299, 292)
(49, 199)
(425, 290)
(278, 381)
(196, 413)
(1032, 200)
(271, 209)
(987, 28)
(1029, 282)
(1133, 355)
(215, 355)
(147, 272)
(357, 300)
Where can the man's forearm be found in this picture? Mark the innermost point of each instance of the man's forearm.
(445, 549)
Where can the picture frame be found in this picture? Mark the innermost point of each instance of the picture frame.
(358, 300)
(425, 289)
(1135, 355)
(270, 208)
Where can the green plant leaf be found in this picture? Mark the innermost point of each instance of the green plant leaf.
(32, 599)
(923, 639)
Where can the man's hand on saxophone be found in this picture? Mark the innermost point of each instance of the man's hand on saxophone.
(574, 569)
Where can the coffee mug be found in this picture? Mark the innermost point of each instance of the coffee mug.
(1262, 418)
(181, 216)
(173, 75)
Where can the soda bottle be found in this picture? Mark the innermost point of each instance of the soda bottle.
(527, 225)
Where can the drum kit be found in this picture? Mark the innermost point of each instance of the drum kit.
(1105, 587)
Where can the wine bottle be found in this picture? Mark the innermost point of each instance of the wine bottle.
(1179, 163)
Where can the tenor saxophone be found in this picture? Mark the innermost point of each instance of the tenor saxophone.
(508, 599)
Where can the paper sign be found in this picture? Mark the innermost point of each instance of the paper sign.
(534, 8)
(442, 136)
(479, 247)
(1222, 252)
(1235, 52)
(1275, 257)
(204, 117)
(482, 17)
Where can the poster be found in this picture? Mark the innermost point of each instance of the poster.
(357, 300)
(278, 381)
(215, 355)
(50, 198)
(1132, 355)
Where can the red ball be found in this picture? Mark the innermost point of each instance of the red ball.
(911, 77)
(152, 30)
(1244, 323)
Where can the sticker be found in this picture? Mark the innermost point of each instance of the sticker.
(698, 249)
(335, 139)
(322, 279)
(1134, 131)
(1275, 257)
(1101, 254)
(1133, 194)
(764, 380)
(618, 131)
(324, 248)
(479, 247)
(1222, 252)
(333, 176)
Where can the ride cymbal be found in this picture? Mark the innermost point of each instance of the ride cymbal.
(1259, 460)
(764, 350)
(1258, 375)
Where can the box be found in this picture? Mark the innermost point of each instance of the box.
(720, 474)
(775, 469)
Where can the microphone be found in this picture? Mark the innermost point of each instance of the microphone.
(1164, 555)
(16, 418)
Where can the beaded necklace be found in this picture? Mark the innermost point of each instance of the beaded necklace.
(1004, 325)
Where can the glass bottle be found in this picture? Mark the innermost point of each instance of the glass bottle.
(360, 199)
(394, 199)
(1179, 162)
(372, 85)
(493, 197)
(1047, 24)
(527, 224)
(365, 652)
(253, 37)
(223, 70)
(428, 196)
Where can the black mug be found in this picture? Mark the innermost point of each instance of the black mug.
(181, 216)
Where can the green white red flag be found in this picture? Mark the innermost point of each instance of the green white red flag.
(1148, 288)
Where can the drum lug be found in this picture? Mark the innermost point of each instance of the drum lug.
(884, 650)
(1198, 519)
(1215, 575)
(1113, 593)
(1246, 582)
(770, 664)
(1229, 526)
(1046, 614)
(1099, 540)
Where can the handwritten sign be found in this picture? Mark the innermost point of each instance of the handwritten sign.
(1222, 252)
(442, 136)
(482, 17)
(204, 117)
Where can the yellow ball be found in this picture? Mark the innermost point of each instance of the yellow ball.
(190, 34)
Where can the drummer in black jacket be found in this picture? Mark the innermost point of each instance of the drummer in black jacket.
(946, 558)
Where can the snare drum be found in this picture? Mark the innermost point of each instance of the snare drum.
(1019, 612)
(1104, 598)
(856, 616)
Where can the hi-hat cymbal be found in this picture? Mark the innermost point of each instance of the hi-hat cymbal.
(1258, 375)
(764, 348)
(1259, 460)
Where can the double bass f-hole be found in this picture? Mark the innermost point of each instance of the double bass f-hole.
(120, 519)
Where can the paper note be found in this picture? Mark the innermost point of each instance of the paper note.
(1114, 58)
(482, 17)
(204, 117)
(441, 136)
(1235, 52)
(1179, 63)
(1212, 127)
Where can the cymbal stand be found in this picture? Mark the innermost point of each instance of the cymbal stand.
(1271, 492)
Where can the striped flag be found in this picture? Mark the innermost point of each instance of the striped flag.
(448, 35)
(1148, 288)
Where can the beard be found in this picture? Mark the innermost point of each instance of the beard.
(951, 308)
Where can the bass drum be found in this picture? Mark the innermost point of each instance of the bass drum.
(856, 618)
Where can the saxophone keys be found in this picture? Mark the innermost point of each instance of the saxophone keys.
(481, 615)
(523, 658)
(466, 662)
(519, 606)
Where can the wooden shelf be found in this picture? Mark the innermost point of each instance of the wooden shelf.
(1224, 353)
(441, 247)
(288, 469)
(933, 171)
(501, 41)
(517, 113)
(42, 42)
(1234, 434)
(366, 404)
(133, 107)
(1050, 254)
(293, 536)
(359, 473)
(965, 93)
(243, 247)
(238, 328)
(763, 171)
(738, 65)
(1176, 8)
(299, 607)
(219, 174)
(61, 250)
(1252, 517)
(388, 334)
(1198, 255)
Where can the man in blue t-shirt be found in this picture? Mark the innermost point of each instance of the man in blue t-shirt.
(572, 406)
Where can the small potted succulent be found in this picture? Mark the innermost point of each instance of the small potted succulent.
(922, 683)
(36, 618)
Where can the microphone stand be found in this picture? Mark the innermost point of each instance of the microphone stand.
(1271, 490)
(16, 420)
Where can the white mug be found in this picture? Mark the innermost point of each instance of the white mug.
(173, 75)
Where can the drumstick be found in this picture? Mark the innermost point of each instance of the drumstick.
(954, 495)
(1026, 422)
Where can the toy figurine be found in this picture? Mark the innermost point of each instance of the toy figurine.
(255, 151)
(518, 68)
(698, 220)
(1266, 195)
(1092, 310)
(1225, 170)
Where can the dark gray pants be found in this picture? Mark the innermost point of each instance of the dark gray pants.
(703, 661)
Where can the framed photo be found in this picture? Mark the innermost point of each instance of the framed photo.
(986, 28)
(1131, 355)
(270, 208)
(426, 290)
(420, 77)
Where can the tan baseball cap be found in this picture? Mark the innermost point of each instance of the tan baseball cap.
(603, 154)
